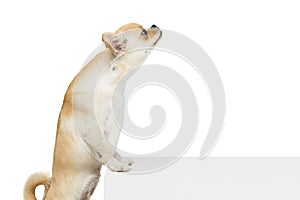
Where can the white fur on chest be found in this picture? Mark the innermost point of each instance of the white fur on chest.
(95, 106)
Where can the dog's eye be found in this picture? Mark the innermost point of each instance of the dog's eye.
(144, 32)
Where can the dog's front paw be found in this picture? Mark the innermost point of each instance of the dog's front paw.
(128, 161)
(117, 166)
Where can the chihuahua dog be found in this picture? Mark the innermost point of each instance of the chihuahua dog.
(87, 133)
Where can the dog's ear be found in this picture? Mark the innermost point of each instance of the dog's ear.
(116, 42)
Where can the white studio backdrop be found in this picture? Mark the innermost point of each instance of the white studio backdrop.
(255, 46)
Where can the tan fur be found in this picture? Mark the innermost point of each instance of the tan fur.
(127, 27)
(83, 141)
(35, 180)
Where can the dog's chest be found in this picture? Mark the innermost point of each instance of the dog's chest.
(109, 110)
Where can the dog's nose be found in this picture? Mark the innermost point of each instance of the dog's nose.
(153, 26)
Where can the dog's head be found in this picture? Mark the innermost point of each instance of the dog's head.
(131, 37)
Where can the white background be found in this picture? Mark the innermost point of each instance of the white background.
(254, 44)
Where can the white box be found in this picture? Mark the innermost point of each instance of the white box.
(210, 179)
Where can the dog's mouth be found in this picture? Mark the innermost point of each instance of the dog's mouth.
(160, 34)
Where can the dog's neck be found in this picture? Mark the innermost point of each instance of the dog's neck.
(101, 65)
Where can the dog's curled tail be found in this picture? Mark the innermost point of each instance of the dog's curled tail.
(36, 179)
